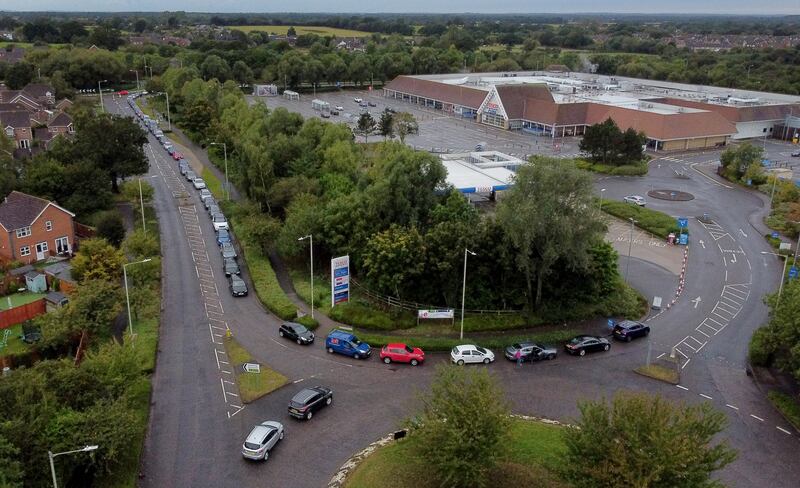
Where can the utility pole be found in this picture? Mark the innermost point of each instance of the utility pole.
(310, 237)
(464, 289)
(630, 245)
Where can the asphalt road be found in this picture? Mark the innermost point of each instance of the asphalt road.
(197, 424)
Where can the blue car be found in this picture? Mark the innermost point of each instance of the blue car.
(347, 344)
(223, 236)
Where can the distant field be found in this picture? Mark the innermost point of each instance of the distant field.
(301, 29)
(26, 45)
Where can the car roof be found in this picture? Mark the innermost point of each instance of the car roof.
(259, 431)
(465, 347)
(305, 395)
(235, 279)
(628, 323)
(230, 261)
(400, 345)
(341, 335)
(293, 324)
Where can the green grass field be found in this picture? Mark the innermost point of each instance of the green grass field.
(533, 454)
(17, 299)
(252, 386)
(301, 29)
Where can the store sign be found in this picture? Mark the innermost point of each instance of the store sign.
(340, 280)
(435, 314)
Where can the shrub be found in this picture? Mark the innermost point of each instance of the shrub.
(362, 315)
(653, 221)
(111, 227)
(761, 351)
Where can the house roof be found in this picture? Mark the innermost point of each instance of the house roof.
(60, 120)
(42, 134)
(7, 107)
(39, 90)
(32, 275)
(15, 118)
(12, 55)
(21, 270)
(55, 297)
(21, 210)
(61, 270)
(455, 94)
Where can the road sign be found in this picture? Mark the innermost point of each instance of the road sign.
(684, 239)
(610, 323)
(683, 222)
(340, 284)
(775, 234)
(793, 272)
(749, 182)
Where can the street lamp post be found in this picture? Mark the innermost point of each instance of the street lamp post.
(630, 245)
(464, 289)
(783, 275)
(100, 92)
(141, 202)
(310, 238)
(227, 183)
(127, 296)
(169, 120)
(138, 87)
(600, 207)
(52, 456)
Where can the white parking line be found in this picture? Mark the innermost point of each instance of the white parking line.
(757, 418)
(682, 387)
(731, 406)
(224, 395)
(686, 363)
(706, 396)
(783, 430)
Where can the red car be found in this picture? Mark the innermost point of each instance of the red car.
(122, 92)
(402, 353)
(177, 156)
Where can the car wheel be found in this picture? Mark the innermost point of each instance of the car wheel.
(460, 362)
(387, 360)
(299, 342)
(486, 361)
(646, 332)
(329, 400)
(582, 353)
(414, 362)
(266, 455)
(551, 356)
(606, 347)
(628, 338)
(280, 333)
(356, 356)
(330, 350)
(309, 415)
(281, 437)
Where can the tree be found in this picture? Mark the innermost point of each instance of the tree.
(547, 217)
(463, 422)
(10, 465)
(242, 73)
(215, 67)
(111, 227)
(385, 124)
(19, 75)
(291, 32)
(602, 141)
(93, 306)
(139, 25)
(404, 124)
(106, 37)
(738, 160)
(97, 260)
(646, 441)
(365, 125)
(778, 343)
(393, 259)
(139, 245)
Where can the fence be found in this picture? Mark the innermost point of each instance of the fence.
(17, 315)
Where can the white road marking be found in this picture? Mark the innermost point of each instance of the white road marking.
(742, 232)
(731, 406)
(706, 397)
(686, 363)
(682, 387)
(297, 381)
(757, 418)
(224, 395)
(783, 430)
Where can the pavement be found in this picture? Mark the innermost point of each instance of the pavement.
(197, 424)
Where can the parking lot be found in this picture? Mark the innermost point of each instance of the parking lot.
(438, 131)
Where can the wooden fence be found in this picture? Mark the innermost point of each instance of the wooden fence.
(17, 315)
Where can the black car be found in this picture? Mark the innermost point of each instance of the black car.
(627, 330)
(296, 332)
(238, 286)
(531, 351)
(796, 154)
(231, 267)
(309, 400)
(582, 344)
(371, 104)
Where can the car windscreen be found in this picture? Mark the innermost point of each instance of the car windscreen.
(250, 445)
(576, 340)
(481, 350)
(516, 346)
(408, 349)
(299, 329)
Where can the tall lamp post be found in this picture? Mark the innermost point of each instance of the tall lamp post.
(100, 92)
(138, 87)
(52, 456)
(227, 183)
(630, 245)
(127, 296)
(600, 207)
(464, 289)
(141, 203)
(783, 274)
(310, 238)
(169, 120)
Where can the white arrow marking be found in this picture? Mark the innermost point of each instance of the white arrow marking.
(742, 232)
(697, 301)
(702, 244)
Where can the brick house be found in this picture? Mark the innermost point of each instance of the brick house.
(16, 124)
(32, 229)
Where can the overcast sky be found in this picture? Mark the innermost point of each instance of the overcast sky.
(426, 6)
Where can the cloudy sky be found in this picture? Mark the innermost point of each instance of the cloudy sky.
(360, 6)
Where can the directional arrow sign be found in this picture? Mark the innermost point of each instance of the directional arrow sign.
(697, 301)
(702, 244)
(742, 232)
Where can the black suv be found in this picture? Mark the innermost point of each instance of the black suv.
(627, 330)
(309, 400)
(296, 332)
(231, 267)
(238, 286)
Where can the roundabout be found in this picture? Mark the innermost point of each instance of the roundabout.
(671, 195)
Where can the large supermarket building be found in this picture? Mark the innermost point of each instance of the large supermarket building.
(673, 116)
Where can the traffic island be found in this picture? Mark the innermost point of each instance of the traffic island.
(667, 372)
(253, 379)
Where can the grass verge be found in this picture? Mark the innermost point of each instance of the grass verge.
(531, 458)
(638, 169)
(661, 373)
(213, 184)
(498, 342)
(145, 108)
(252, 386)
(788, 405)
(266, 284)
(653, 221)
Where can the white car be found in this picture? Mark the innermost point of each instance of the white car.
(219, 222)
(470, 353)
(340, 108)
(358, 100)
(635, 199)
(198, 183)
(205, 194)
(262, 439)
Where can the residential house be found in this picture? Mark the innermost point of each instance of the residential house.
(12, 54)
(16, 124)
(32, 228)
(24, 112)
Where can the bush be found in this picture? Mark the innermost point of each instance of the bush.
(761, 351)
(363, 315)
(111, 227)
(653, 221)
(638, 169)
(309, 322)
(788, 405)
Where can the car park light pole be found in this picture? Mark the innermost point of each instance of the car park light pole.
(310, 238)
(227, 183)
(138, 87)
(600, 207)
(464, 289)
(141, 202)
(783, 274)
(630, 245)
(127, 296)
(51, 456)
(100, 92)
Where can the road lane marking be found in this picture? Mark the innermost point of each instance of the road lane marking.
(224, 395)
(682, 387)
(706, 396)
(757, 418)
(686, 363)
(783, 430)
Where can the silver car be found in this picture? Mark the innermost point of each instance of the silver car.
(635, 199)
(262, 439)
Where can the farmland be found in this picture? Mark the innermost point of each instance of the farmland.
(301, 29)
